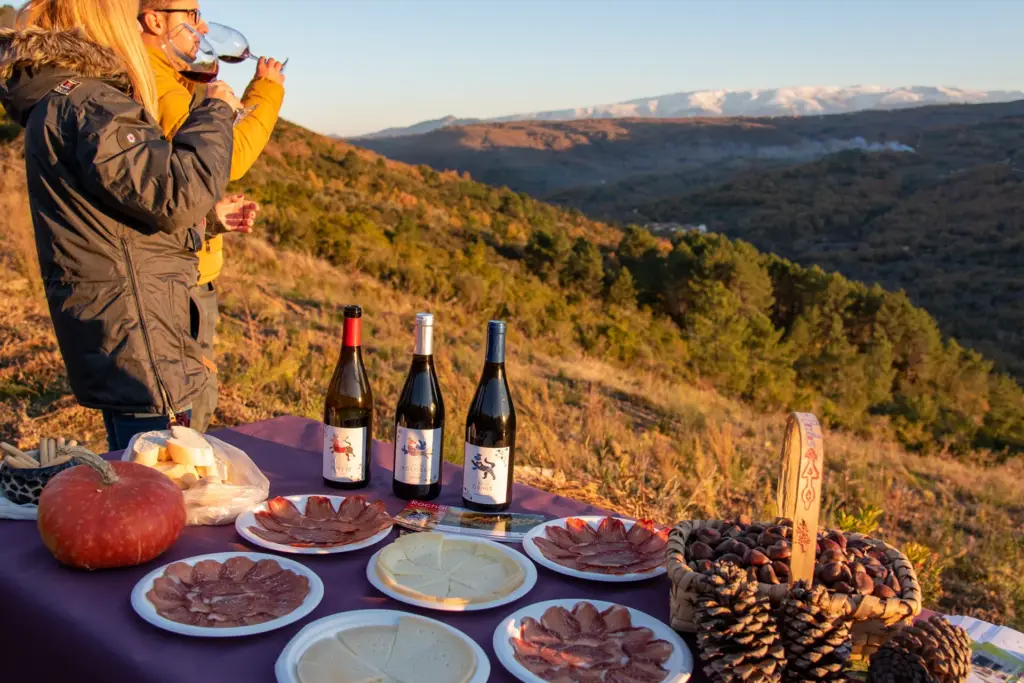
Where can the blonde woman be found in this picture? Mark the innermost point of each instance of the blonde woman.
(118, 210)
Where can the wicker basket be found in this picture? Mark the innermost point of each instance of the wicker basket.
(873, 617)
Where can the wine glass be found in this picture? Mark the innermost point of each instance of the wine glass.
(191, 55)
(195, 59)
(230, 44)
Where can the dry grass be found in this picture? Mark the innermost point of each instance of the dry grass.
(609, 435)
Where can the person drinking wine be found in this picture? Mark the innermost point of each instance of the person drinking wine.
(162, 21)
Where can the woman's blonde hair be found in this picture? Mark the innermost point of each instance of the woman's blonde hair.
(111, 23)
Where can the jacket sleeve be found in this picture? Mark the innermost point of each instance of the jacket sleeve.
(131, 167)
(252, 133)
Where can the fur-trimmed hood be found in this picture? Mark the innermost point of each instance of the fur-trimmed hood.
(33, 61)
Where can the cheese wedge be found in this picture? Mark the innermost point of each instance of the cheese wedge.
(328, 661)
(188, 447)
(454, 554)
(423, 548)
(425, 652)
(373, 644)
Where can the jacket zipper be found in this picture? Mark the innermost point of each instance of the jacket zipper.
(145, 332)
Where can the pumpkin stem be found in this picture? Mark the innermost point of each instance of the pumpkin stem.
(90, 459)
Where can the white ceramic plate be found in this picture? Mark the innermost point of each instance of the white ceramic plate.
(529, 581)
(145, 609)
(248, 519)
(534, 552)
(288, 661)
(679, 665)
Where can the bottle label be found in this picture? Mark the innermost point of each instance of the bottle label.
(344, 453)
(417, 456)
(485, 474)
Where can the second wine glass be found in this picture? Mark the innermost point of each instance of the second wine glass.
(230, 44)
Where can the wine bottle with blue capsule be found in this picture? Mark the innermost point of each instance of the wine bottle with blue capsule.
(490, 433)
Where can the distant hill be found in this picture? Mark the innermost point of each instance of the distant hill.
(924, 199)
(796, 101)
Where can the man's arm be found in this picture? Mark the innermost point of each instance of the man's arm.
(252, 133)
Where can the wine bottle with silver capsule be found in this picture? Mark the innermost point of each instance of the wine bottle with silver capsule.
(419, 422)
(489, 463)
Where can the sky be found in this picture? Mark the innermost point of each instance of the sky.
(358, 66)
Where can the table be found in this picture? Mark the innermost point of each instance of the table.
(61, 624)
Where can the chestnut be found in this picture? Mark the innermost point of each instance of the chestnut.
(756, 558)
(826, 545)
(842, 587)
(837, 537)
(702, 551)
(883, 591)
(865, 585)
(766, 574)
(830, 573)
(709, 536)
(732, 557)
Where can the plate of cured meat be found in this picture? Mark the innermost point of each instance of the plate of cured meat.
(227, 594)
(590, 640)
(315, 525)
(609, 549)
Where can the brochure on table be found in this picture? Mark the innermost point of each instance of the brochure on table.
(507, 527)
(998, 651)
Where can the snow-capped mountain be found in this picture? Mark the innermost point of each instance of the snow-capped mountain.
(797, 101)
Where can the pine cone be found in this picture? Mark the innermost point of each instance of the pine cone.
(894, 665)
(942, 650)
(816, 636)
(737, 636)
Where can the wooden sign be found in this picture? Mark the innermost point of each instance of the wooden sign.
(799, 494)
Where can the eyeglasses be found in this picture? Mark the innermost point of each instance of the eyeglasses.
(194, 14)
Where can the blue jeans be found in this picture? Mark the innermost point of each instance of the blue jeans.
(121, 427)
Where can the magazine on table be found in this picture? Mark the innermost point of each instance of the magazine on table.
(507, 527)
(998, 651)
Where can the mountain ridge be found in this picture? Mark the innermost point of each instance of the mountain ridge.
(754, 102)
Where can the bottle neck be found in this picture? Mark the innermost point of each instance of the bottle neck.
(353, 334)
(495, 348)
(424, 340)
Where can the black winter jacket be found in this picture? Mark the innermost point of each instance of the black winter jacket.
(118, 213)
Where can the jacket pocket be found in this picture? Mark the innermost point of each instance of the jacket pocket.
(184, 310)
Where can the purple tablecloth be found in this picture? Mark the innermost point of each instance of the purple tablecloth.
(62, 624)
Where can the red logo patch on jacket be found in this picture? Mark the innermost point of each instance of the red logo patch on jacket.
(66, 86)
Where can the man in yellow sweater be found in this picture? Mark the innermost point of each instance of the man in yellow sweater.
(177, 95)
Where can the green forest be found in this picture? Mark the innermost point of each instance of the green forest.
(700, 307)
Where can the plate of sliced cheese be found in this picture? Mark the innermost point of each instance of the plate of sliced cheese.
(381, 646)
(451, 573)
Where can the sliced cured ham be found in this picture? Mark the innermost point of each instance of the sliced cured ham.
(320, 526)
(223, 595)
(584, 645)
(607, 548)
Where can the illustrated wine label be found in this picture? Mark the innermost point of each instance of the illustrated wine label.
(485, 475)
(417, 460)
(344, 453)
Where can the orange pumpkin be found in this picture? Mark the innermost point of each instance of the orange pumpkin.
(109, 514)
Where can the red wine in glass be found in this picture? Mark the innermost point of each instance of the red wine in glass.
(200, 76)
